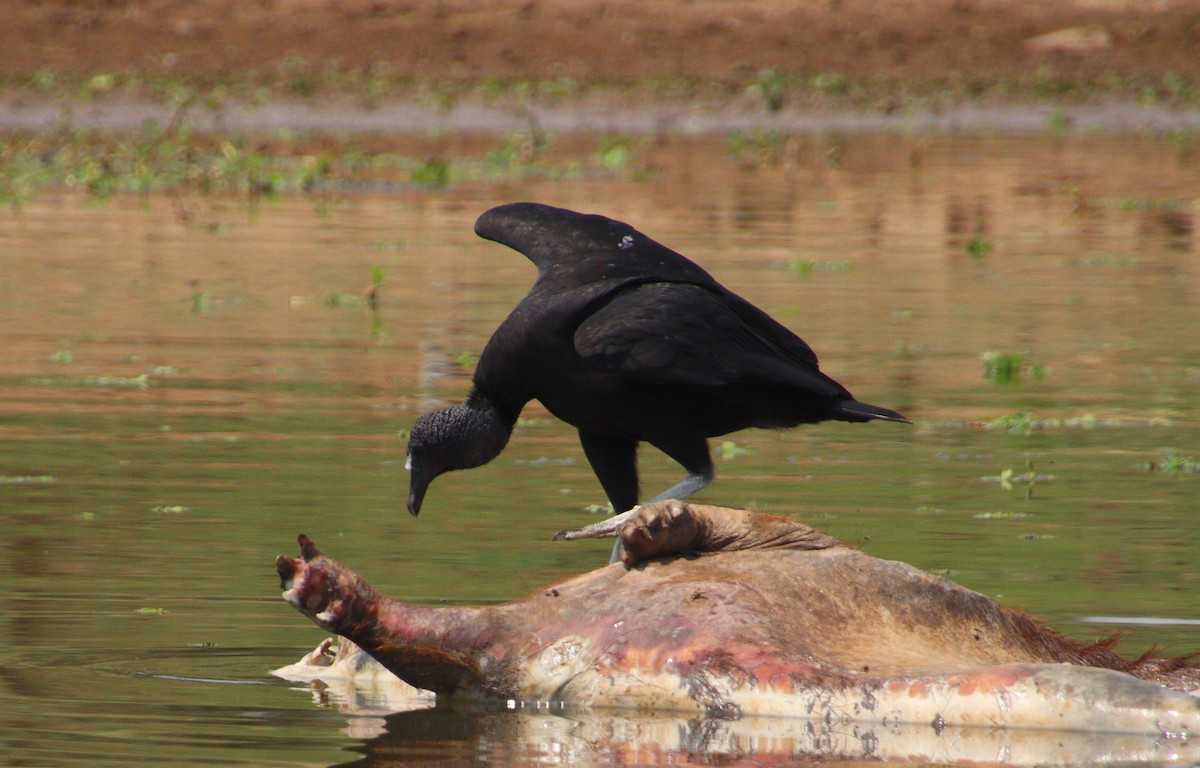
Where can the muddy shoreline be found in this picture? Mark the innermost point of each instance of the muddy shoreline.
(600, 113)
(400, 67)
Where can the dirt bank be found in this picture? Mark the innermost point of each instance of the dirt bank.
(1051, 46)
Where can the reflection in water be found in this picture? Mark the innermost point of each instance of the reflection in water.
(1172, 225)
(170, 418)
(450, 737)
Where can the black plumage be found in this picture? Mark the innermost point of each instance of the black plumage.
(629, 342)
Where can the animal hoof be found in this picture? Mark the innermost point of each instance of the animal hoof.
(312, 585)
(604, 529)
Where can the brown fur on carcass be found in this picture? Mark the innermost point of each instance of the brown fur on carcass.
(710, 597)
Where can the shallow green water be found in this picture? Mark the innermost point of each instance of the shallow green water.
(186, 386)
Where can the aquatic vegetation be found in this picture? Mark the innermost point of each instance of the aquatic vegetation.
(544, 461)
(616, 153)
(338, 300)
(1087, 421)
(1002, 367)
(759, 148)
(96, 84)
(28, 479)
(434, 174)
(1021, 424)
(379, 334)
(905, 348)
(466, 359)
(1008, 479)
(809, 266)
(508, 154)
(979, 246)
(1177, 86)
(519, 149)
(1107, 259)
(1173, 87)
(1058, 123)
(835, 153)
(771, 85)
(729, 450)
(138, 382)
(177, 158)
(150, 161)
(444, 99)
(557, 88)
(378, 276)
(156, 161)
(1002, 515)
(200, 302)
(376, 81)
(369, 298)
(1050, 86)
(296, 77)
(1173, 463)
(831, 83)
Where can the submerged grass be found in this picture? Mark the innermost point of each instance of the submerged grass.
(1173, 463)
(1008, 479)
(1002, 367)
(101, 165)
(1024, 424)
(176, 160)
(810, 266)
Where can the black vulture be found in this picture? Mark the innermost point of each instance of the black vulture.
(629, 342)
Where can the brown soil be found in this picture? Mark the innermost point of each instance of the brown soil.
(969, 44)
